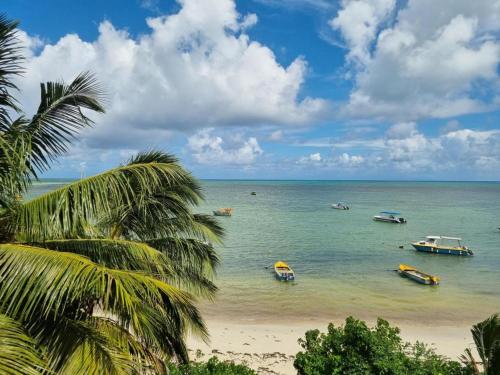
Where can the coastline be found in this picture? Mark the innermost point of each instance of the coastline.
(270, 347)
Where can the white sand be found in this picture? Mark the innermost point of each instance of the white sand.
(270, 348)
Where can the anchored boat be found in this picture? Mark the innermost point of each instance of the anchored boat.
(340, 206)
(442, 245)
(223, 212)
(418, 276)
(390, 217)
(283, 272)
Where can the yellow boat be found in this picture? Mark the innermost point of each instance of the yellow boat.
(418, 276)
(283, 271)
(223, 212)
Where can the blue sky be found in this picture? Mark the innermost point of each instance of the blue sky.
(290, 89)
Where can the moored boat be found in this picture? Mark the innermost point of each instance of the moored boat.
(418, 276)
(340, 206)
(390, 217)
(441, 245)
(283, 271)
(223, 212)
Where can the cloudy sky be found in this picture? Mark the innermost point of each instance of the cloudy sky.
(289, 89)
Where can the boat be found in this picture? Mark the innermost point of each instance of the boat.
(340, 206)
(418, 276)
(253, 193)
(390, 217)
(223, 212)
(441, 245)
(283, 271)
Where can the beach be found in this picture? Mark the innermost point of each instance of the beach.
(269, 348)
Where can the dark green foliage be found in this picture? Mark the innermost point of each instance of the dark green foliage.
(212, 367)
(357, 349)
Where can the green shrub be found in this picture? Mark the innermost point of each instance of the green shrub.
(356, 349)
(212, 367)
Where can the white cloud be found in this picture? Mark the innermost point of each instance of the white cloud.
(195, 68)
(427, 63)
(207, 148)
(402, 130)
(276, 135)
(358, 22)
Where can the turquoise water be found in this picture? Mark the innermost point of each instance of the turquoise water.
(343, 259)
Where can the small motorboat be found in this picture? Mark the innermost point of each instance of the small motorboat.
(340, 206)
(223, 212)
(283, 272)
(390, 217)
(442, 245)
(253, 193)
(418, 276)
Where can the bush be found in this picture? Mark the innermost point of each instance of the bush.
(212, 367)
(356, 349)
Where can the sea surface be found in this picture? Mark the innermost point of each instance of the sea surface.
(344, 260)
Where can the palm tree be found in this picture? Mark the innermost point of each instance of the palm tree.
(486, 335)
(101, 275)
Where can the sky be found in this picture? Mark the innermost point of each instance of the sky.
(277, 89)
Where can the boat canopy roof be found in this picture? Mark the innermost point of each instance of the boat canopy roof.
(390, 212)
(444, 238)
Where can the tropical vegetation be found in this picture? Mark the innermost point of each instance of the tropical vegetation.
(212, 367)
(356, 349)
(99, 276)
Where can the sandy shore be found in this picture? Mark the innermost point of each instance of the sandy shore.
(269, 348)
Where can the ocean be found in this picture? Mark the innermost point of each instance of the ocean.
(344, 260)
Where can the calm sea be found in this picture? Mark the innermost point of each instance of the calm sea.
(343, 259)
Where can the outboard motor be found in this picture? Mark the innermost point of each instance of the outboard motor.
(402, 220)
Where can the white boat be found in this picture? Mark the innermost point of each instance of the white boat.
(390, 217)
(340, 206)
(442, 245)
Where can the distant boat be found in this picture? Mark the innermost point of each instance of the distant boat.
(437, 245)
(223, 212)
(390, 217)
(340, 206)
(253, 193)
(283, 272)
(418, 276)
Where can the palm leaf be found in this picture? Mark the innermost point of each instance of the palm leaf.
(18, 352)
(62, 212)
(10, 60)
(37, 283)
(486, 335)
(60, 116)
(118, 254)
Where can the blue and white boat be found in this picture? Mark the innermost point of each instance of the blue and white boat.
(390, 217)
(442, 245)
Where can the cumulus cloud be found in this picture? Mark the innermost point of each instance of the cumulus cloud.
(358, 21)
(195, 68)
(207, 148)
(426, 63)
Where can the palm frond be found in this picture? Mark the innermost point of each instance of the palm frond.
(60, 116)
(486, 335)
(82, 347)
(118, 254)
(37, 283)
(10, 67)
(18, 352)
(62, 212)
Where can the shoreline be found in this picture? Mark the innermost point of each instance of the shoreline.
(269, 348)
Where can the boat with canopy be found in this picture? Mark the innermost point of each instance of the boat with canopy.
(442, 245)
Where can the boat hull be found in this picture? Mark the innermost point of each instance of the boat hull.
(441, 250)
(417, 278)
(388, 220)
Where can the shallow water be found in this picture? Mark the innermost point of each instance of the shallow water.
(343, 259)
